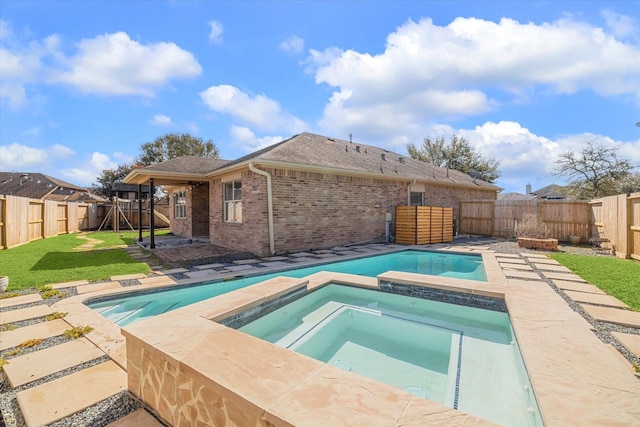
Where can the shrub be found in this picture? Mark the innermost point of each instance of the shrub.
(531, 226)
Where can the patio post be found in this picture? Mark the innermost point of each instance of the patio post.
(152, 190)
(139, 212)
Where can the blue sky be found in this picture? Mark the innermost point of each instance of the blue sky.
(84, 84)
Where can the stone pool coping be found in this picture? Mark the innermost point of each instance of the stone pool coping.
(577, 379)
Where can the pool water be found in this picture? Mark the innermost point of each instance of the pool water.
(463, 357)
(128, 309)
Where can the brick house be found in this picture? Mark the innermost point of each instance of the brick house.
(306, 192)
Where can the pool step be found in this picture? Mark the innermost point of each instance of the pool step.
(34, 366)
(56, 399)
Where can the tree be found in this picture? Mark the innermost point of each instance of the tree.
(458, 154)
(596, 171)
(174, 145)
(163, 148)
(110, 177)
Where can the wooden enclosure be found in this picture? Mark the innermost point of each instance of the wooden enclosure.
(419, 225)
(616, 219)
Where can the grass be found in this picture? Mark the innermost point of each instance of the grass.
(617, 277)
(58, 259)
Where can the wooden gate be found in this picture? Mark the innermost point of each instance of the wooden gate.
(420, 225)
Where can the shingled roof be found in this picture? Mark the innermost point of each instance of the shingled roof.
(312, 151)
(317, 151)
(41, 186)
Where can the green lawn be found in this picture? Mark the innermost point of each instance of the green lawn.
(54, 260)
(617, 277)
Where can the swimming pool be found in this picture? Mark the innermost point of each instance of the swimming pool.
(130, 308)
(463, 357)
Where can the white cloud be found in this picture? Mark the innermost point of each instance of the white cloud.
(85, 173)
(293, 44)
(258, 111)
(113, 64)
(161, 120)
(21, 64)
(621, 25)
(17, 156)
(215, 34)
(249, 142)
(61, 152)
(429, 72)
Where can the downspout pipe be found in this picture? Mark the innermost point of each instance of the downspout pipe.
(272, 244)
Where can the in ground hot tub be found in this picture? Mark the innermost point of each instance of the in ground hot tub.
(462, 356)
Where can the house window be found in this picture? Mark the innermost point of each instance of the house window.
(233, 201)
(180, 204)
(416, 199)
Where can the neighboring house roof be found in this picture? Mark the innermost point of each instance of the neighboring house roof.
(316, 152)
(41, 186)
(550, 192)
(516, 196)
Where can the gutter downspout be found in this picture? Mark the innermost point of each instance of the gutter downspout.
(409, 192)
(272, 244)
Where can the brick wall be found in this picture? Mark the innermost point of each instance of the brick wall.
(314, 210)
(253, 234)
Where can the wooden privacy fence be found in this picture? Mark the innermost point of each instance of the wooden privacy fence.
(501, 218)
(617, 220)
(24, 220)
(420, 225)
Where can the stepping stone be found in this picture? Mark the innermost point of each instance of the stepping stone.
(340, 248)
(158, 280)
(53, 401)
(512, 261)
(24, 299)
(323, 256)
(246, 261)
(240, 267)
(69, 284)
(552, 267)
(275, 258)
(530, 255)
(613, 315)
(25, 313)
(545, 261)
(522, 274)
(43, 330)
(578, 287)
(209, 266)
(630, 341)
(127, 277)
(523, 267)
(324, 251)
(563, 276)
(345, 253)
(274, 264)
(304, 259)
(301, 254)
(139, 418)
(175, 271)
(607, 300)
(201, 273)
(33, 366)
(500, 255)
(97, 287)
